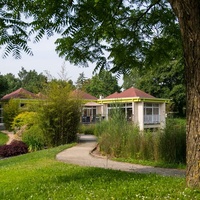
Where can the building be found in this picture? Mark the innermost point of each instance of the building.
(22, 96)
(91, 110)
(138, 107)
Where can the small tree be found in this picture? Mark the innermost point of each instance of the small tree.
(59, 114)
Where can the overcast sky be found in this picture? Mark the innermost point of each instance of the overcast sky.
(45, 59)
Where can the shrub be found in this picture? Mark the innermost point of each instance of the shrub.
(10, 111)
(13, 149)
(87, 129)
(24, 119)
(34, 138)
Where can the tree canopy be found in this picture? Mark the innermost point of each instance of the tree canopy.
(114, 34)
(163, 74)
(102, 84)
(14, 28)
(29, 80)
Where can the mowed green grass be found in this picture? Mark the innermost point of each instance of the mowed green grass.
(39, 176)
(3, 138)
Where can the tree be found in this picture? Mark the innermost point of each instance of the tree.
(163, 81)
(188, 13)
(127, 50)
(32, 81)
(125, 29)
(3, 86)
(13, 82)
(81, 81)
(102, 84)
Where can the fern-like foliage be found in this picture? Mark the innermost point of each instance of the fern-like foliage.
(13, 31)
(115, 35)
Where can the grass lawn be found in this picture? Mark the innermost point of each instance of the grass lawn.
(39, 176)
(3, 138)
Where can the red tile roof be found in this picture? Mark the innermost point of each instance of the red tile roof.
(129, 93)
(83, 95)
(20, 93)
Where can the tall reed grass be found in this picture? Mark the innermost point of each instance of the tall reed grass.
(122, 139)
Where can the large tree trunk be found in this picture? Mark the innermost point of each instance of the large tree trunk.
(188, 13)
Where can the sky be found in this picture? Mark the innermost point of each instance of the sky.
(44, 59)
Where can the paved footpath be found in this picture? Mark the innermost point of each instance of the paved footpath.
(82, 154)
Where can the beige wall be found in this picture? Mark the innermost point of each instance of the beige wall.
(98, 109)
(162, 115)
(140, 107)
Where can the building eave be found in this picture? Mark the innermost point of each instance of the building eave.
(134, 99)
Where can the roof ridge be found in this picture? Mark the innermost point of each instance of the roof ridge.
(130, 92)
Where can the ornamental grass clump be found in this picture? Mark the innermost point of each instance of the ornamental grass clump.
(172, 146)
(114, 134)
(122, 139)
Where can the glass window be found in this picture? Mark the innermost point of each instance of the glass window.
(156, 111)
(129, 105)
(151, 113)
(148, 105)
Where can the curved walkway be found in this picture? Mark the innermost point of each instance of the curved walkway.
(83, 155)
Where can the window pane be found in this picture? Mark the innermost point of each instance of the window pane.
(148, 111)
(148, 105)
(155, 111)
(155, 105)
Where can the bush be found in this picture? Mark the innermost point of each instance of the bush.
(10, 111)
(87, 129)
(13, 149)
(34, 138)
(24, 119)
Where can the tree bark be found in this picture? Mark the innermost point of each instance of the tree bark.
(188, 13)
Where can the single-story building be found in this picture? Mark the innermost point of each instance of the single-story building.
(139, 107)
(23, 96)
(91, 110)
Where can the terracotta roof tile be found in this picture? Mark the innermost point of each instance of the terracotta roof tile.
(114, 95)
(83, 95)
(20, 93)
(131, 92)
